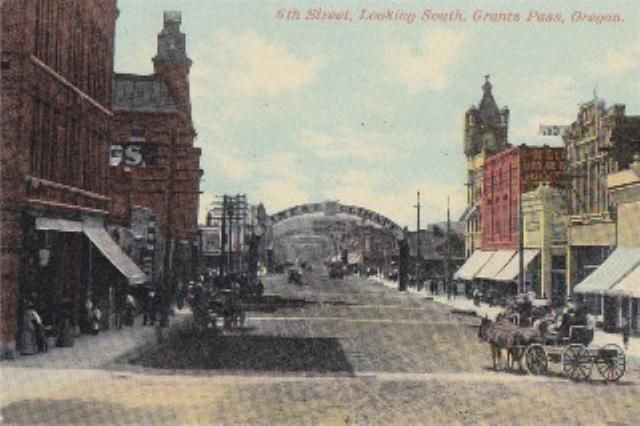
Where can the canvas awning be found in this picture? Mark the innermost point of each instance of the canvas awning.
(111, 250)
(59, 225)
(629, 286)
(619, 264)
(469, 212)
(473, 264)
(498, 261)
(512, 269)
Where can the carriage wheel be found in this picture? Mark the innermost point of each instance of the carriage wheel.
(535, 358)
(577, 362)
(611, 362)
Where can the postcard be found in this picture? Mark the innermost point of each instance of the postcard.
(320, 212)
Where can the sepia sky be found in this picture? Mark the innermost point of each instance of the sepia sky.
(369, 112)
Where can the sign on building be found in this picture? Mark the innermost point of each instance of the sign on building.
(551, 130)
(133, 154)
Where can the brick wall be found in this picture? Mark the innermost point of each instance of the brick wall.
(57, 62)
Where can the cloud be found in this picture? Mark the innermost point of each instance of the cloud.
(547, 94)
(249, 64)
(427, 64)
(232, 163)
(347, 143)
(279, 194)
(621, 62)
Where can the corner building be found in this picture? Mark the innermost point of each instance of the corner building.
(601, 141)
(57, 67)
(153, 162)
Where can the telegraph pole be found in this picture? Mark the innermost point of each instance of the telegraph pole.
(448, 249)
(417, 206)
(521, 280)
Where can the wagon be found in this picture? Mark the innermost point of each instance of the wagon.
(577, 359)
(535, 351)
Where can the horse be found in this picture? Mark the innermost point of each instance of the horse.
(501, 335)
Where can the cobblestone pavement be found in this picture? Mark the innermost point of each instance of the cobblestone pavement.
(330, 352)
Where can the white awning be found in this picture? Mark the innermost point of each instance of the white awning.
(59, 225)
(618, 265)
(497, 262)
(111, 250)
(472, 265)
(511, 271)
(629, 286)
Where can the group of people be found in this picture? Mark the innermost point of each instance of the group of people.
(35, 334)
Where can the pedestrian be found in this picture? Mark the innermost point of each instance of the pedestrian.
(96, 316)
(66, 325)
(129, 309)
(626, 331)
(30, 321)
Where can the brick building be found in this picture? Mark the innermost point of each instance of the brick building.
(601, 141)
(507, 175)
(57, 66)
(153, 161)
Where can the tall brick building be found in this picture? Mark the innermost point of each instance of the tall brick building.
(507, 175)
(153, 161)
(57, 67)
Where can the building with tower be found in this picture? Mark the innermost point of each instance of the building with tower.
(153, 162)
(485, 133)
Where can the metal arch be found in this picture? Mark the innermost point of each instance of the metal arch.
(362, 212)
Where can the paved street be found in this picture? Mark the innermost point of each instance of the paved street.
(330, 352)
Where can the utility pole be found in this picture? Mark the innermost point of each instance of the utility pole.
(521, 280)
(447, 257)
(417, 206)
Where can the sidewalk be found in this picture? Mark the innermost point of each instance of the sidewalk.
(91, 351)
(36, 376)
(462, 303)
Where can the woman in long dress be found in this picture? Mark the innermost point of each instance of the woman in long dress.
(30, 322)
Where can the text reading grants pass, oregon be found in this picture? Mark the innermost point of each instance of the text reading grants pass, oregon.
(319, 14)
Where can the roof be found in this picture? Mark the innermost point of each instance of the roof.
(619, 264)
(141, 93)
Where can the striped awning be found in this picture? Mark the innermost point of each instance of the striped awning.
(618, 265)
(511, 271)
(473, 264)
(629, 286)
(497, 262)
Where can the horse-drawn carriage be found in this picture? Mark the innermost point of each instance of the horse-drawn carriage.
(534, 348)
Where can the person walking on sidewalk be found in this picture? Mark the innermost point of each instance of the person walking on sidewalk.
(626, 331)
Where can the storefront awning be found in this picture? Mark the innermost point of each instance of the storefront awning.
(498, 261)
(511, 271)
(629, 286)
(469, 212)
(111, 250)
(59, 225)
(473, 264)
(619, 264)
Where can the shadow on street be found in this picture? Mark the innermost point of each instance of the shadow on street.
(187, 351)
